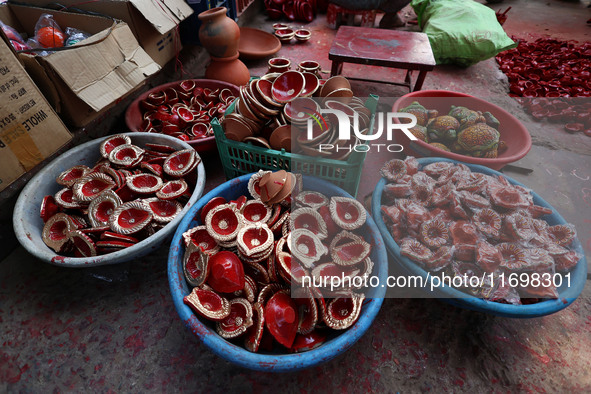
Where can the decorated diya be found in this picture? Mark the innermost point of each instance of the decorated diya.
(128, 195)
(247, 264)
(182, 109)
(452, 221)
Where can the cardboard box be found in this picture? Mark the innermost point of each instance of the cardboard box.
(152, 22)
(84, 80)
(30, 130)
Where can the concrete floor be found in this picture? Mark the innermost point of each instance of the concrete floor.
(114, 329)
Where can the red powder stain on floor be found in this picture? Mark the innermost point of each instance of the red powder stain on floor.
(135, 342)
(502, 339)
(462, 372)
(544, 358)
(10, 372)
(459, 382)
(413, 326)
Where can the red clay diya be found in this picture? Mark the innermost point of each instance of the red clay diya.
(116, 197)
(249, 252)
(446, 218)
(184, 110)
(238, 321)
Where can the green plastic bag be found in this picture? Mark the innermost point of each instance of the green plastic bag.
(461, 32)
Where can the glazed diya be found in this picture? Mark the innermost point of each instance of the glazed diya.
(70, 176)
(208, 304)
(102, 207)
(164, 211)
(130, 217)
(55, 231)
(238, 321)
(90, 186)
(112, 142)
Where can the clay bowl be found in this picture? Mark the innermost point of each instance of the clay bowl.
(28, 225)
(343, 95)
(340, 106)
(281, 138)
(258, 141)
(271, 76)
(237, 128)
(257, 44)
(263, 94)
(337, 343)
(263, 88)
(310, 66)
(513, 132)
(249, 100)
(278, 65)
(311, 84)
(133, 115)
(288, 86)
(300, 110)
(303, 34)
(567, 294)
(279, 26)
(285, 35)
(243, 109)
(257, 105)
(334, 83)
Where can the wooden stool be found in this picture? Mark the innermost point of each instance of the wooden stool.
(381, 47)
(335, 14)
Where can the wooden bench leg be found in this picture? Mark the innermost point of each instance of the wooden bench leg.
(336, 69)
(420, 80)
(408, 80)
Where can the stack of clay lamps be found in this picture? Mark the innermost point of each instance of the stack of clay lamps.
(449, 219)
(552, 76)
(271, 109)
(294, 10)
(184, 111)
(127, 196)
(245, 258)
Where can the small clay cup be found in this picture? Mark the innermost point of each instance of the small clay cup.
(278, 65)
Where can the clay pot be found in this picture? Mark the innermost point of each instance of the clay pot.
(229, 69)
(219, 34)
(310, 66)
(278, 65)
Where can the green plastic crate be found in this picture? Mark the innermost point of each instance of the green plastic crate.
(239, 158)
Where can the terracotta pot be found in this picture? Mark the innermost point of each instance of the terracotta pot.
(229, 69)
(219, 34)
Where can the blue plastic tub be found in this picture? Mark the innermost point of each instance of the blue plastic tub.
(455, 297)
(335, 345)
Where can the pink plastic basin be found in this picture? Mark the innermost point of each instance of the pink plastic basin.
(513, 132)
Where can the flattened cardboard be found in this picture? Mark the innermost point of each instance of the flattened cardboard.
(30, 130)
(107, 70)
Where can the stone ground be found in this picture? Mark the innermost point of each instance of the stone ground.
(115, 329)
